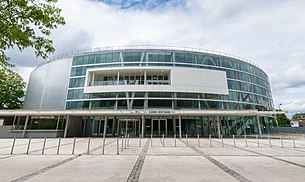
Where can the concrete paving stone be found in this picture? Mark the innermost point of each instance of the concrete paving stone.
(170, 151)
(260, 168)
(297, 160)
(180, 168)
(91, 168)
(167, 163)
(273, 151)
(226, 151)
(20, 165)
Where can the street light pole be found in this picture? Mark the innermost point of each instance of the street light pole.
(280, 106)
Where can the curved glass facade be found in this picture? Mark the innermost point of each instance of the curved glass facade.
(248, 85)
(171, 90)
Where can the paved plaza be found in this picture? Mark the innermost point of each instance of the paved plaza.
(149, 159)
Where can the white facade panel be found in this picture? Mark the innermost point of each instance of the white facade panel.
(48, 86)
(182, 80)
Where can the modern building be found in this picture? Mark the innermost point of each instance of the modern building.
(144, 90)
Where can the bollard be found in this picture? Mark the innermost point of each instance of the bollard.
(257, 141)
(293, 142)
(151, 140)
(221, 141)
(198, 140)
(13, 145)
(88, 149)
(117, 146)
(175, 140)
(282, 141)
(73, 148)
(104, 144)
(187, 142)
(44, 145)
(234, 141)
(29, 144)
(210, 140)
(246, 140)
(122, 143)
(127, 140)
(59, 140)
(269, 140)
(140, 136)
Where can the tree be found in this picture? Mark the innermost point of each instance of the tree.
(11, 89)
(298, 116)
(28, 23)
(282, 119)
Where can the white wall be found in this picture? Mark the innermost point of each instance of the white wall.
(182, 80)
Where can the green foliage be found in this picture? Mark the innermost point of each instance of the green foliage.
(298, 116)
(282, 119)
(11, 89)
(27, 23)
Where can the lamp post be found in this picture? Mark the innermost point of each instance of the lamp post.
(280, 106)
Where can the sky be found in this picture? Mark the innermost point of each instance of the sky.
(268, 33)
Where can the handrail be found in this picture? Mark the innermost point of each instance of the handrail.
(143, 47)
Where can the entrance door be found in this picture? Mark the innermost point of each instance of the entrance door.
(159, 127)
(129, 126)
(213, 127)
(163, 126)
(94, 127)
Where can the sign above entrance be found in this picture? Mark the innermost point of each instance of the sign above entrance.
(159, 112)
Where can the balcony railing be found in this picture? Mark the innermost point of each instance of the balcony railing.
(130, 82)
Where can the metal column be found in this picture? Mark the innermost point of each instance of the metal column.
(104, 135)
(66, 127)
(218, 126)
(85, 124)
(166, 127)
(143, 125)
(114, 123)
(259, 126)
(151, 127)
(126, 127)
(25, 125)
(180, 129)
(159, 127)
(174, 125)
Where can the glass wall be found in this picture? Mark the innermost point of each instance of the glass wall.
(248, 85)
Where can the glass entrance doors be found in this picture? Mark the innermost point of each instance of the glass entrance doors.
(129, 126)
(213, 127)
(159, 127)
(93, 127)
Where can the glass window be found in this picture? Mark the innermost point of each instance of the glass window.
(103, 104)
(77, 82)
(77, 105)
(187, 104)
(160, 94)
(159, 103)
(185, 58)
(77, 60)
(138, 104)
(159, 57)
(132, 56)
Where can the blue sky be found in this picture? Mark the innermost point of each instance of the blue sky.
(143, 4)
(268, 33)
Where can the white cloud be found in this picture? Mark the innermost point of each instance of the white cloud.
(269, 33)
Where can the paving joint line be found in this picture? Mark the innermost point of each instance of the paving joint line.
(218, 164)
(137, 168)
(270, 156)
